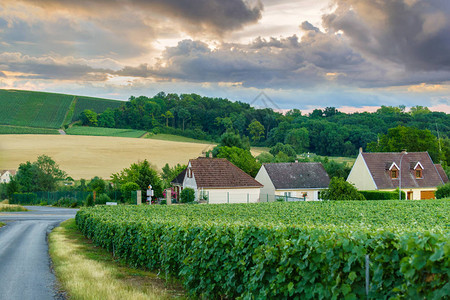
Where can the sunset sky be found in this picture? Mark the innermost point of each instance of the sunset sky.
(350, 54)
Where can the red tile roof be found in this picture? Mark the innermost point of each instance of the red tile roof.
(377, 162)
(220, 173)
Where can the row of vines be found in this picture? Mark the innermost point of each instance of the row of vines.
(286, 250)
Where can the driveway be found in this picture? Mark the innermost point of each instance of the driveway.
(24, 260)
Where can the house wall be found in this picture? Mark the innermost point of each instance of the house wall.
(231, 195)
(190, 183)
(5, 177)
(268, 187)
(416, 191)
(360, 176)
(312, 194)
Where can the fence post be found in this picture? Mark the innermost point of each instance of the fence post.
(267, 198)
(248, 200)
(228, 197)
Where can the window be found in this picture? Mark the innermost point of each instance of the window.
(418, 173)
(394, 173)
(189, 173)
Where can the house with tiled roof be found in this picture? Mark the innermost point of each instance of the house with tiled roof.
(218, 181)
(5, 175)
(292, 181)
(413, 172)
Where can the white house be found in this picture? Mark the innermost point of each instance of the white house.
(294, 181)
(414, 172)
(5, 175)
(218, 181)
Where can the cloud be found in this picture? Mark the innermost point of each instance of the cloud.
(212, 15)
(414, 34)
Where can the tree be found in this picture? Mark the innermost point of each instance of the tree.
(127, 188)
(106, 119)
(241, 158)
(168, 115)
(41, 175)
(141, 173)
(443, 191)
(299, 139)
(419, 110)
(286, 149)
(265, 158)
(409, 138)
(187, 195)
(183, 114)
(339, 189)
(88, 118)
(97, 184)
(256, 130)
(170, 173)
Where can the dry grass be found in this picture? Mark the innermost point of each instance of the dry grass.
(11, 208)
(88, 156)
(89, 272)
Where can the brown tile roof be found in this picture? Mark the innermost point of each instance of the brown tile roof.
(220, 173)
(179, 179)
(442, 173)
(298, 175)
(376, 162)
(12, 172)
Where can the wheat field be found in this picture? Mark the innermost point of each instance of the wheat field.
(89, 156)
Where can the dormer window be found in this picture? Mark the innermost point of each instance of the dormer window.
(418, 168)
(394, 173)
(418, 173)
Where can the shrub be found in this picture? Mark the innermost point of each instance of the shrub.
(187, 195)
(339, 189)
(102, 199)
(443, 191)
(90, 200)
(381, 195)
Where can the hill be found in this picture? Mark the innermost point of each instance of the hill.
(46, 110)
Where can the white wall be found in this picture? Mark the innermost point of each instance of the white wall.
(312, 194)
(268, 188)
(231, 195)
(360, 176)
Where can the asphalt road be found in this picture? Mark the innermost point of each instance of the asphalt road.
(25, 271)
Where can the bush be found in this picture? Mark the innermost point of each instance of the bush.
(90, 200)
(381, 195)
(68, 202)
(339, 189)
(187, 195)
(443, 191)
(102, 199)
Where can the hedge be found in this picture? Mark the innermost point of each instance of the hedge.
(251, 258)
(382, 195)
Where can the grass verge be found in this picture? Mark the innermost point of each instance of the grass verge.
(175, 138)
(2, 224)
(89, 272)
(11, 208)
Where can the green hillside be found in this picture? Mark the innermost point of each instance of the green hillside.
(46, 110)
(98, 105)
(99, 131)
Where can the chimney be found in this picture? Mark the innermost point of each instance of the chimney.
(360, 150)
(296, 160)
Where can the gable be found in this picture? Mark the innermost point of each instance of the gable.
(360, 175)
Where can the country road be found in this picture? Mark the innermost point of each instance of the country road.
(24, 260)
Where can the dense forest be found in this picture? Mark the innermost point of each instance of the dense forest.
(327, 132)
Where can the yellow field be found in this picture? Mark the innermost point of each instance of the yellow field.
(89, 156)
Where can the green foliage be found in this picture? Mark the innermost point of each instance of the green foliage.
(285, 153)
(256, 130)
(97, 105)
(106, 119)
(41, 175)
(170, 173)
(33, 109)
(99, 131)
(381, 195)
(231, 139)
(90, 200)
(88, 118)
(339, 189)
(409, 138)
(285, 250)
(443, 191)
(129, 187)
(187, 195)
(243, 159)
(265, 158)
(102, 199)
(68, 202)
(7, 129)
(97, 184)
(141, 173)
(298, 138)
(334, 168)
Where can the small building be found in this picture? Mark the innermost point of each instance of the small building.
(216, 180)
(5, 175)
(414, 172)
(293, 181)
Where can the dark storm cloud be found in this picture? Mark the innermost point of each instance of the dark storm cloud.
(364, 43)
(413, 33)
(214, 15)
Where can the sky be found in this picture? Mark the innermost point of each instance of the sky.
(355, 55)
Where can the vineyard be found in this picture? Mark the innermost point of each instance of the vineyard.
(319, 250)
(6, 129)
(99, 131)
(33, 109)
(98, 105)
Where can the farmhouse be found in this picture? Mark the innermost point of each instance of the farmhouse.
(294, 181)
(5, 175)
(414, 172)
(216, 180)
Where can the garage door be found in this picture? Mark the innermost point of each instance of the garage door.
(427, 195)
